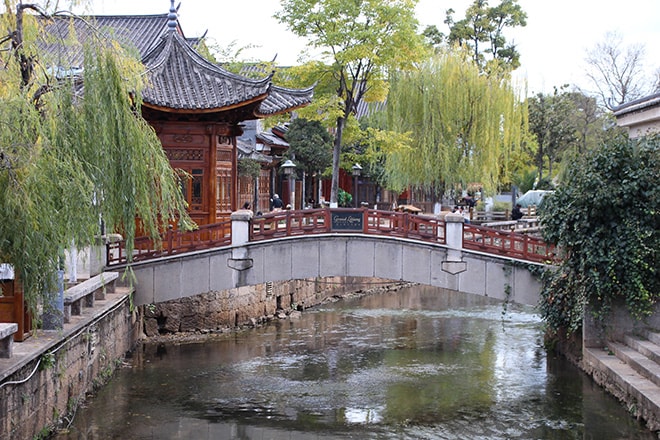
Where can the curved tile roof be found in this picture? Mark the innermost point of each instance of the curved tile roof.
(138, 34)
(637, 105)
(181, 79)
(281, 99)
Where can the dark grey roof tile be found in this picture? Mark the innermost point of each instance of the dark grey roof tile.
(281, 99)
(178, 76)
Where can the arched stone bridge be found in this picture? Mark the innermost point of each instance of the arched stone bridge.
(344, 242)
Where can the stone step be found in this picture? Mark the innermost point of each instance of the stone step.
(626, 384)
(646, 367)
(651, 336)
(647, 348)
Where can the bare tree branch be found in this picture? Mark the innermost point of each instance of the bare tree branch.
(617, 71)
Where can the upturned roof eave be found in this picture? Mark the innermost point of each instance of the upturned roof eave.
(160, 54)
(182, 79)
(171, 109)
(261, 115)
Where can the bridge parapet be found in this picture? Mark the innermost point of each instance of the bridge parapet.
(243, 227)
(364, 243)
(347, 220)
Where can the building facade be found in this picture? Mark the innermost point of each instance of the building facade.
(641, 117)
(195, 106)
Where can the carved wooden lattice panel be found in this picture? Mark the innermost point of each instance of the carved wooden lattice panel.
(223, 190)
(264, 191)
(224, 155)
(185, 154)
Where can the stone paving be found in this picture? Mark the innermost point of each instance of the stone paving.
(41, 341)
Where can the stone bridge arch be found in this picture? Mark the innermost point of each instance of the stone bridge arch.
(335, 255)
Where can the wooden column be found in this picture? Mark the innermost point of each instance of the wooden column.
(211, 181)
(14, 309)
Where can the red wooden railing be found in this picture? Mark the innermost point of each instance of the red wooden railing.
(508, 244)
(172, 242)
(367, 221)
(290, 223)
(325, 221)
(398, 224)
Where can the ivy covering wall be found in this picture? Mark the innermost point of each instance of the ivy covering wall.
(605, 217)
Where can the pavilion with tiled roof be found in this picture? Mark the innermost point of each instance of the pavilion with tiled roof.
(195, 106)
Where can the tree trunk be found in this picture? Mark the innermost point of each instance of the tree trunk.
(336, 153)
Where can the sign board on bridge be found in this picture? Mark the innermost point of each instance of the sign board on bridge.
(346, 221)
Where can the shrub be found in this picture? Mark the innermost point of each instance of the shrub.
(605, 219)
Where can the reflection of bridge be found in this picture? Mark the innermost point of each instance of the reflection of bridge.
(336, 242)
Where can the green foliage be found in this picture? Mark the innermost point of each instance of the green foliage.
(362, 40)
(311, 144)
(249, 168)
(70, 158)
(552, 120)
(371, 152)
(525, 180)
(544, 184)
(464, 126)
(605, 218)
(345, 199)
(482, 31)
(565, 125)
(501, 206)
(47, 361)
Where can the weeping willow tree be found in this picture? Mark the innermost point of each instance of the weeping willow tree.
(75, 152)
(464, 126)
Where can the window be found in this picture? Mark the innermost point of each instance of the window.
(192, 188)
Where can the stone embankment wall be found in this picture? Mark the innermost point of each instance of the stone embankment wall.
(45, 391)
(249, 305)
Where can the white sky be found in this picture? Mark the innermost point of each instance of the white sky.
(552, 45)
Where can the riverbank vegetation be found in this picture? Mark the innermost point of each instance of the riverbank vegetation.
(76, 158)
(477, 130)
(605, 218)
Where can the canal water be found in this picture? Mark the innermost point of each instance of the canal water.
(418, 363)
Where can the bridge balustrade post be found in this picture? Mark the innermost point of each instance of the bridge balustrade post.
(240, 261)
(454, 231)
(454, 240)
(240, 227)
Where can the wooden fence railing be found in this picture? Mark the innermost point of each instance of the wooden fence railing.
(508, 244)
(171, 242)
(366, 221)
(324, 221)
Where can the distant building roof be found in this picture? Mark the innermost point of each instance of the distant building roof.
(641, 116)
(637, 105)
(271, 139)
(280, 97)
(368, 108)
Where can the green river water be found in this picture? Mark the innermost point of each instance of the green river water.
(418, 363)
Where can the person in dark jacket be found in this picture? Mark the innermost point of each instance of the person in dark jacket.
(277, 203)
(516, 213)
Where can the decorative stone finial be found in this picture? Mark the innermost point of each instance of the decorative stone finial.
(171, 17)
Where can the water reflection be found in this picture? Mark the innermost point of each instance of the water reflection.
(420, 363)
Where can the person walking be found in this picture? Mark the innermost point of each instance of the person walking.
(516, 212)
(277, 203)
